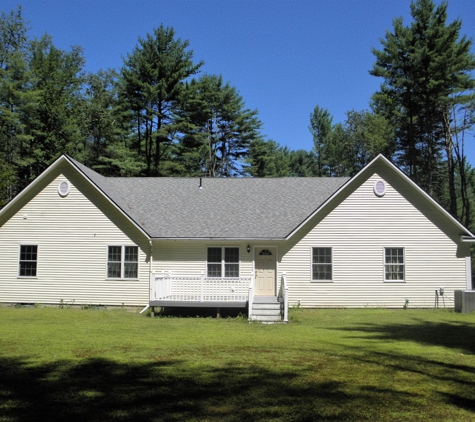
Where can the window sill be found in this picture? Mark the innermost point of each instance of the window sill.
(321, 281)
(122, 279)
(394, 281)
(25, 277)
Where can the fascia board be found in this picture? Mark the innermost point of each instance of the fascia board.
(350, 182)
(423, 193)
(32, 185)
(231, 239)
(98, 189)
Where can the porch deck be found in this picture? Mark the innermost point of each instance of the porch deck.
(218, 292)
(177, 291)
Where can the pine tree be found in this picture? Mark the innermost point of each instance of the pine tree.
(424, 66)
(218, 128)
(151, 82)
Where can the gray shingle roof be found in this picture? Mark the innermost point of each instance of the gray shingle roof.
(234, 208)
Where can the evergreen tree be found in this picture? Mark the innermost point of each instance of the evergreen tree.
(105, 127)
(151, 82)
(17, 98)
(424, 65)
(218, 128)
(321, 129)
(268, 159)
(57, 75)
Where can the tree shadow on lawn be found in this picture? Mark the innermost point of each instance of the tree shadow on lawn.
(445, 376)
(455, 335)
(450, 335)
(102, 390)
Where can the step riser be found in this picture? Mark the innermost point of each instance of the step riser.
(270, 308)
(266, 313)
(265, 318)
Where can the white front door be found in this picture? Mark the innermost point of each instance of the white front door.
(265, 260)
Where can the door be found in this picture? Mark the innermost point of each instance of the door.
(265, 265)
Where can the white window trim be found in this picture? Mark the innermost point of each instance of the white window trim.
(311, 264)
(122, 262)
(223, 262)
(30, 277)
(404, 264)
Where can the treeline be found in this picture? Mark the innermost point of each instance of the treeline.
(151, 118)
(158, 116)
(421, 118)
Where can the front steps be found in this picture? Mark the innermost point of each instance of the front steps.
(266, 309)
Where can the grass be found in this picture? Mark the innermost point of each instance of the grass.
(326, 365)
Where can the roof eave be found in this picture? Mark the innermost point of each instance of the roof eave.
(32, 185)
(108, 198)
(404, 176)
(231, 239)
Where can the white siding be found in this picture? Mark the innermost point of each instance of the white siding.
(358, 228)
(72, 234)
(188, 258)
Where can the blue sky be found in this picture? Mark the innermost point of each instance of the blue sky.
(283, 56)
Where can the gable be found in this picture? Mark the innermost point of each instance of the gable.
(380, 169)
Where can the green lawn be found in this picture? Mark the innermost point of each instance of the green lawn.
(325, 365)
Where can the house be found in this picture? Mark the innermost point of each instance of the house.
(375, 240)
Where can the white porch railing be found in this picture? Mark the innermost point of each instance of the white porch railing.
(251, 298)
(167, 287)
(284, 296)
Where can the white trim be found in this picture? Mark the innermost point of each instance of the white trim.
(52, 168)
(468, 268)
(375, 188)
(404, 264)
(122, 262)
(274, 247)
(68, 186)
(223, 262)
(104, 195)
(221, 239)
(351, 181)
(30, 277)
(312, 280)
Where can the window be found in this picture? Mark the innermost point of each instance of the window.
(321, 263)
(122, 262)
(394, 264)
(223, 261)
(28, 260)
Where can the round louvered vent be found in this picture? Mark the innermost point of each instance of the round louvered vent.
(379, 188)
(63, 188)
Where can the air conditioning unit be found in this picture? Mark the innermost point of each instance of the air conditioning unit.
(464, 301)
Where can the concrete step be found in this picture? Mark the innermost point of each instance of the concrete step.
(265, 299)
(266, 312)
(266, 318)
(266, 306)
(266, 309)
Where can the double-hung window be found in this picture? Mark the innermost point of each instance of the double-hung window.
(223, 262)
(28, 262)
(394, 264)
(321, 264)
(122, 262)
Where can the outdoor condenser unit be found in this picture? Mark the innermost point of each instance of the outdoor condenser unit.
(464, 301)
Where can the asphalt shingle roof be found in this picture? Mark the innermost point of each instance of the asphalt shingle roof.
(234, 208)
